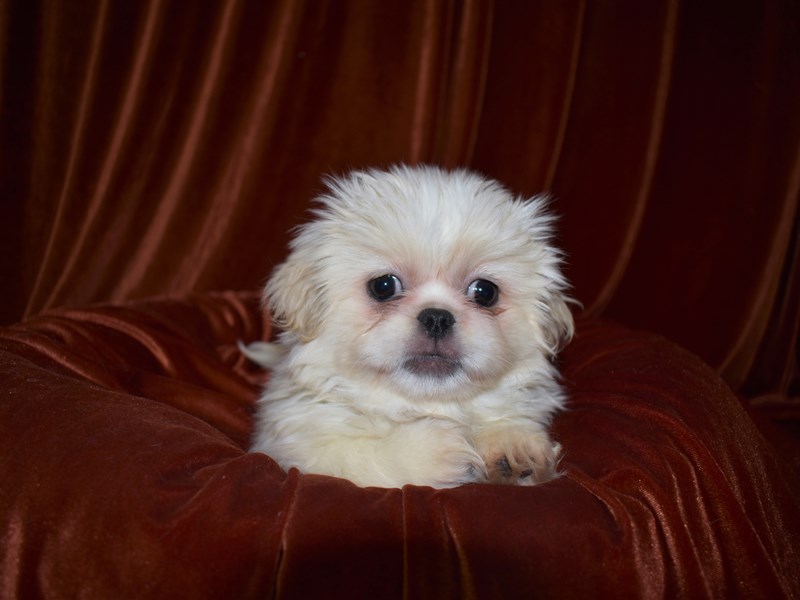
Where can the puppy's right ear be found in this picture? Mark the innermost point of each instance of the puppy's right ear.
(295, 298)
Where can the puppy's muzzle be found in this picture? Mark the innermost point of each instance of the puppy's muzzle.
(436, 322)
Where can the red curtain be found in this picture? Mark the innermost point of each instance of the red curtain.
(161, 147)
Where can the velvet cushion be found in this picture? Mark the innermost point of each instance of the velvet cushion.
(123, 473)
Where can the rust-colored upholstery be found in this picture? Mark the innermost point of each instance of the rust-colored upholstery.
(153, 153)
(124, 475)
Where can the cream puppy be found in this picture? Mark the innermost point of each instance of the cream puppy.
(420, 311)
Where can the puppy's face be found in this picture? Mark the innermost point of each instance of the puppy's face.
(430, 283)
(433, 330)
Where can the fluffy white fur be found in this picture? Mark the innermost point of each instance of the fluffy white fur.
(359, 388)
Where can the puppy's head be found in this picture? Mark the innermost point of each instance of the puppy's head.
(433, 283)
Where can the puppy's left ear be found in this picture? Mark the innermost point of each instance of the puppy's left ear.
(295, 297)
(558, 324)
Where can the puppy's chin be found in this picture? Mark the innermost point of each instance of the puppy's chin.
(432, 365)
(431, 377)
(438, 374)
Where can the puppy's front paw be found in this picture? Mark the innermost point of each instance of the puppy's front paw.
(518, 456)
(458, 466)
(434, 452)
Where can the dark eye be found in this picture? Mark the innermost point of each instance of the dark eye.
(384, 288)
(483, 292)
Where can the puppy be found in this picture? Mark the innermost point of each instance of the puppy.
(420, 311)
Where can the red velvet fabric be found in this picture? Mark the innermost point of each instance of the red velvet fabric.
(161, 149)
(157, 147)
(123, 475)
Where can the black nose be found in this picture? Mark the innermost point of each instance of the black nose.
(436, 322)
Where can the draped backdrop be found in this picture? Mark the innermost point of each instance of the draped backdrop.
(160, 147)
